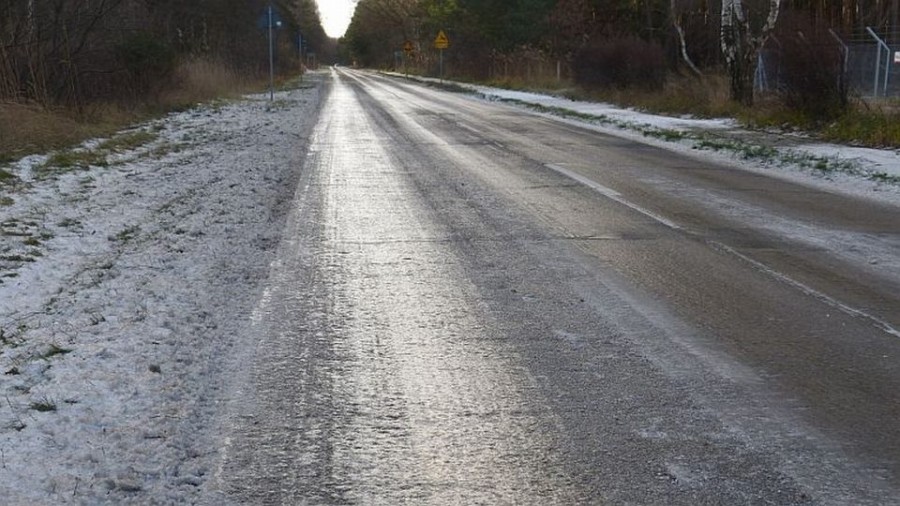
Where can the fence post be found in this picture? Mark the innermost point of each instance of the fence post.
(845, 61)
(887, 70)
(845, 50)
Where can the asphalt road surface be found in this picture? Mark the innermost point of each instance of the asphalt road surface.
(478, 305)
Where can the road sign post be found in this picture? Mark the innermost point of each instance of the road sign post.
(300, 53)
(441, 42)
(270, 20)
(408, 48)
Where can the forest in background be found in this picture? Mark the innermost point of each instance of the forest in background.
(627, 44)
(71, 69)
(76, 53)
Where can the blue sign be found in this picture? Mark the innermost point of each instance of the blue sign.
(263, 21)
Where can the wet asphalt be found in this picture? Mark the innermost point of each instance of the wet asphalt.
(476, 305)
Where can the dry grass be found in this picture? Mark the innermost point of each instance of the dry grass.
(201, 80)
(26, 129)
(864, 124)
(706, 98)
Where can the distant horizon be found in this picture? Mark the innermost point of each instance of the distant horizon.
(336, 16)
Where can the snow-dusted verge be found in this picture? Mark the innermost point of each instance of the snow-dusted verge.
(771, 149)
(122, 289)
(125, 284)
(873, 173)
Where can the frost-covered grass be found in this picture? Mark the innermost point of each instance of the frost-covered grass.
(702, 139)
(128, 268)
(27, 129)
(796, 155)
(852, 168)
(97, 154)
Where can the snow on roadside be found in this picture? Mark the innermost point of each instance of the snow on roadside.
(865, 172)
(615, 114)
(852, 170)
(122, 289)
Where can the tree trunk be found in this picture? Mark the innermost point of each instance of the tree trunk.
(682, 44)
(741, 47)
(742, 73)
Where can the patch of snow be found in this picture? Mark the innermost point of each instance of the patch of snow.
(875, 160)
(122, 290)
(613, 113)
(854, 170)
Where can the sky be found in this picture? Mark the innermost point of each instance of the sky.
(336, 15)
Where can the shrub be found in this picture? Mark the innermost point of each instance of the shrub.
(198, 80)
(813, 81)
(148, 61)
(620, 63)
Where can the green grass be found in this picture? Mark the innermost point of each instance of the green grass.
(126, 235)
(884, 177)
(17, 258)
(128, 141)
(55, 350)
(665, 134)
(76, 159)
(43, 406)
(83, 159)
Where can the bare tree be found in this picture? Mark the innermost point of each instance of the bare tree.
(741, 45)
(682, 44)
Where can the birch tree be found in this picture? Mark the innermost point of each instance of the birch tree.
(682, 44)
(741, 45)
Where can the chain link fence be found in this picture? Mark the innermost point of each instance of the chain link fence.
(871, 62)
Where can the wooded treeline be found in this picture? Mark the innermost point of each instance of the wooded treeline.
(606, 42)
(72, 52)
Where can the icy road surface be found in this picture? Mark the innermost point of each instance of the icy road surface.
(425, 298)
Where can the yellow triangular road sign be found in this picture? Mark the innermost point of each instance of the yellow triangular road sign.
(441, 41)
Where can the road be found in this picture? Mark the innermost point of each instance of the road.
(473, 304)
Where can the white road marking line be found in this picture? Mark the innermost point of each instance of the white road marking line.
(616, 196)
(471, 129)
(612, 194)
(812, 292)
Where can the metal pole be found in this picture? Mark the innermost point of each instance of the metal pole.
(845, 51)
(442, 66)
(877, 72)
(271, 58)
(761, 79)
(881, 44)
(887, 72)
(845, 61)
